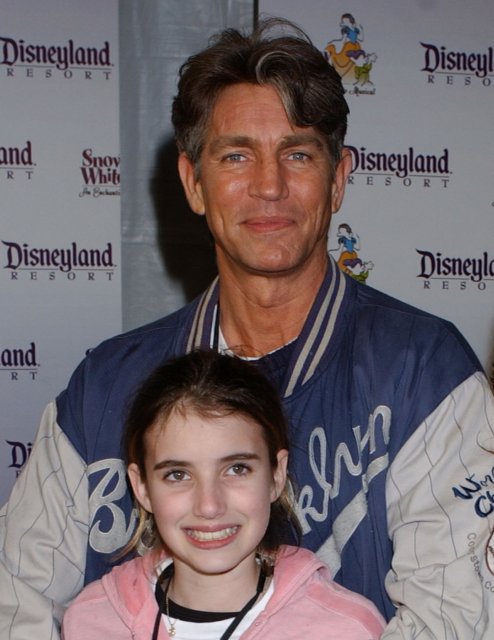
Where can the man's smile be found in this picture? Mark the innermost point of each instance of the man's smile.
(267, 224)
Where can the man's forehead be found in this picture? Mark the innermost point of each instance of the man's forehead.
(244, 112)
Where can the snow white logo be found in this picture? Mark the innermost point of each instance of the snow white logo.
(349, 262)
(350, 60)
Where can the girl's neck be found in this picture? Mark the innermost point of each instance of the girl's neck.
(228, 591)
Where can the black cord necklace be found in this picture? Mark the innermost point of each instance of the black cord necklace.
(162, 599)
(216, 332)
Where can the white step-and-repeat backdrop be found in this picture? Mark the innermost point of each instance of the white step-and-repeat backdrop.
(59, 202)
(418, 217)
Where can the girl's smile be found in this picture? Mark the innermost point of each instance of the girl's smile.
(213, 539)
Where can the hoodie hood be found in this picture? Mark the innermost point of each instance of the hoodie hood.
(294, 567)
(130, 586)
(304, 599)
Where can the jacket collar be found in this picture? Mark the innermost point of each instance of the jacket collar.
(315, 341)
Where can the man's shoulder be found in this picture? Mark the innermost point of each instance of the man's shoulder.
(397, 322)
(170, 324)
(366, 296)
(413, 358)
(163, 336)
(112, 370)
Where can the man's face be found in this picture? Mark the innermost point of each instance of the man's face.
(265, 186)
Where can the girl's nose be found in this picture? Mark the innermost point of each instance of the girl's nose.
(209, 500)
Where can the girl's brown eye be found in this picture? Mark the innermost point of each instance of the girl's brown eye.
(238, 469)
(176, 475)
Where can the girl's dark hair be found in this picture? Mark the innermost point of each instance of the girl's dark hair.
(278, 54)
(210, 385)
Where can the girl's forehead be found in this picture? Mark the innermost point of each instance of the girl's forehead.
(189, 430)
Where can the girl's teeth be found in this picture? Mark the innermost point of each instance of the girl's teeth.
(206, 536)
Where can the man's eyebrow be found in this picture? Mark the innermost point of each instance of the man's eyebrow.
(302, 139)
(297, 139)
(223, 142)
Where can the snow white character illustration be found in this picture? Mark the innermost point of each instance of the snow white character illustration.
(341, 52)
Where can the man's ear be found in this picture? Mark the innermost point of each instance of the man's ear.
(341, 175)
(139, 486)
(192, 187)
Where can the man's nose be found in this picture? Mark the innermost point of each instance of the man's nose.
(269, 180)
(209, 500)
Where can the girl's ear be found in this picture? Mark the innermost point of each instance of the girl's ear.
(279, 475)
(139, 486)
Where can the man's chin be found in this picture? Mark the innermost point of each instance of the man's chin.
(274, 261)
(273, 268)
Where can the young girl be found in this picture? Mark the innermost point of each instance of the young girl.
(207, 448)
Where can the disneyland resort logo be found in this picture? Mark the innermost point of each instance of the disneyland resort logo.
(19, 454)
(439, 271)
(349, 58)
(17, 161)
(406, 168)
(18, 362)
(24, 262)
(100, 175)
(444, 66)
(20, 58)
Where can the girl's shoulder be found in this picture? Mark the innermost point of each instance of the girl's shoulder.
(91, 615)
(91, 593)
(305, 594)
(108, 608)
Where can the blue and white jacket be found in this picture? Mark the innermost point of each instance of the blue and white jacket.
(391, 425)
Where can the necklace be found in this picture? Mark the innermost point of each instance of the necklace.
(164, 604)
(171, 630)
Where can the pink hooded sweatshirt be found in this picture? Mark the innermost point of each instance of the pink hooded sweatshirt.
(306, 603)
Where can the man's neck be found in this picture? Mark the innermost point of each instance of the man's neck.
(259, 314)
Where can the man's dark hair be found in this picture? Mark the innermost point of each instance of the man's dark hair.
(277, 54)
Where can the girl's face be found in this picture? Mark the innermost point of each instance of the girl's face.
(210, 485)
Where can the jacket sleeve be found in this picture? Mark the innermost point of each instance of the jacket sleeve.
(43, 537)
(440, 499)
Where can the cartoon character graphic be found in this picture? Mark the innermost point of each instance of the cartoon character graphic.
(363, 68)
(358, 269)
(347, 56)
(348, 261)
(348, 245)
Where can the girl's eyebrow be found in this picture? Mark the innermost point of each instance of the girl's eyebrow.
(165, 464)
(241, 456)
(170, 463)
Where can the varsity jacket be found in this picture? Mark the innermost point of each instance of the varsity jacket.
(306, 603)
(391, 420)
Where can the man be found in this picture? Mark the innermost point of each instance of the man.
(388, 407)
